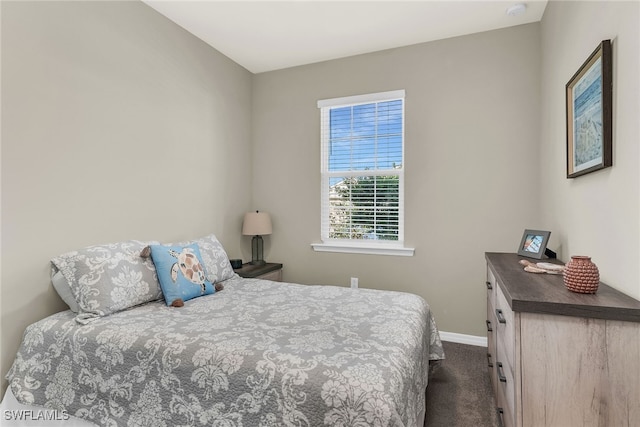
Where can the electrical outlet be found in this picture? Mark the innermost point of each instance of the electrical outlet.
(354, 282)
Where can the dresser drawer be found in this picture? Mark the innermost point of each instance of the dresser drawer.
(508, 419)
(505, 327)
(491, 286)
(506, 385)
(491, 343)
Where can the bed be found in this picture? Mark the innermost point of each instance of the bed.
(258, 353)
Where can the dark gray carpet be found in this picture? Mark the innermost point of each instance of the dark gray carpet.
(459, 392)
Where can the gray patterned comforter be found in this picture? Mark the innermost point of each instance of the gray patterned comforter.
(259, 353)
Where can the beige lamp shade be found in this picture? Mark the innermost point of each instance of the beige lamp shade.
(256, 224)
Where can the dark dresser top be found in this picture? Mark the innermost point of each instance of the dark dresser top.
(546, 293)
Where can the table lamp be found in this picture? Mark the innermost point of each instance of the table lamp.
(256, 224)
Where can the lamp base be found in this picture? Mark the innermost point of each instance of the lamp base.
(257, 251)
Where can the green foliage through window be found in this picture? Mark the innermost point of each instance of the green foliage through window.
(364, 207)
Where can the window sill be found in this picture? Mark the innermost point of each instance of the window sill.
(362, 248)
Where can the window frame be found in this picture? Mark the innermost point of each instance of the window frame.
(361, 246)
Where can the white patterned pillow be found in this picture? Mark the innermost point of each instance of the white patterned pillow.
(215, 259)
(63, 289)
(105, 279)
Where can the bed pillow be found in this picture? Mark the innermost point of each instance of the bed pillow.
(216, 261)
(63, 289)
(181, 273)
(105, 279)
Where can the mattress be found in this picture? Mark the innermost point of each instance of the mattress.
(259, 353)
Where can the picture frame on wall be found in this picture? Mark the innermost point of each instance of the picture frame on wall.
(533, 243)
(589, 114)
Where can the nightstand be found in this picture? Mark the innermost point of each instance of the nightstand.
(268, 271)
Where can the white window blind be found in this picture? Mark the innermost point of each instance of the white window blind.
(363, 168)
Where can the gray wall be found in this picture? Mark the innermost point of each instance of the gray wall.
(116, 125)
(596, 214)
(472, 161)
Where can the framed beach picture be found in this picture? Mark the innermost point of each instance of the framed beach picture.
(534, 243)
(589, 114)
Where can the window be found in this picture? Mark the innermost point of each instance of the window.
(363, 173)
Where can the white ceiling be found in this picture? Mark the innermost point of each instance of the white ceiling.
(270, 35)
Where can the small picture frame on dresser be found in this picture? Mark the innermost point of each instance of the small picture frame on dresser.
(533, 243)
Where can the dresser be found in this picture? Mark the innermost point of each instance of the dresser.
(558, 358)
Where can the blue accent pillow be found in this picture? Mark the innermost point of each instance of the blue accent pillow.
(181, 273)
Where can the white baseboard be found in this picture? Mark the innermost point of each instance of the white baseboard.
(463, 339)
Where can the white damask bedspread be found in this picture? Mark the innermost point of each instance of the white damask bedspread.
(259, 353)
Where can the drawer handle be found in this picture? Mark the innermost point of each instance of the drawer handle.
(489, 285)
(489, 360)
(489, 328)
(500, 316)
(500, 413)
(501, 376)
